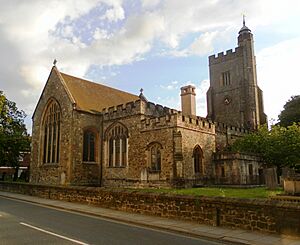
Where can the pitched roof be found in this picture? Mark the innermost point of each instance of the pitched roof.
(91, 97)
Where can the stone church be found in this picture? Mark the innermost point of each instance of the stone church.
(86, 133)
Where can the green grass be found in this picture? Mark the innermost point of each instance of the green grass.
(259, 192)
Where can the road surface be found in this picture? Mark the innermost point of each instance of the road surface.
(26, 223)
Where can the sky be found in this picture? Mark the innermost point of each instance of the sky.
(157, 45)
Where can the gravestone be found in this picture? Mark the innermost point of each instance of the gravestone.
(271, 178)
(286, 173)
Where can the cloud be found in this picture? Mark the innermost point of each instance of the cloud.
(171, 86)
(278, 74)
(201, 104)
(175, 102)
(85, 33)
(114, 14)
(150, 3)
(202, 45)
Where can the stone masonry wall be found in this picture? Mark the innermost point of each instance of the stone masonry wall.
(250, 214)
(52, 173)
(86, 173)
(138, 157)
(193, 135)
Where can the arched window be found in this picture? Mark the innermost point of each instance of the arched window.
(89, 146)
(51, 133)
(197, 156)
(155, 156)
(117, 139)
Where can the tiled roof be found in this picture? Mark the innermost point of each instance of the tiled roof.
(93, 97)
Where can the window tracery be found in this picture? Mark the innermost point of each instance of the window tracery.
(51, 133)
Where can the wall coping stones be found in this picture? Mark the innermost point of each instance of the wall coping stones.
(265, 215)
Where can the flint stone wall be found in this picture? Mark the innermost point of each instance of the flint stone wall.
(251, 214)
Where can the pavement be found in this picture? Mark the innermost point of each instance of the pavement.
(221, 234)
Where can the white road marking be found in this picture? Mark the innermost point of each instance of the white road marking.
(54, 234)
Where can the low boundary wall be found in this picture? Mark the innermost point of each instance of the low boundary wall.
(251, 214)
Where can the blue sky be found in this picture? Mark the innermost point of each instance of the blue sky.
(157, 45)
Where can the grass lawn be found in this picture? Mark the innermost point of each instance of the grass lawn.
(259, 192)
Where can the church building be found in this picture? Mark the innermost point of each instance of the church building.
(85, 133)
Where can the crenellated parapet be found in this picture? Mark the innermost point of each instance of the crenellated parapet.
(195, 123)
(122, 110)
(158, 110)
(223, 57)
(176, 119)
(227, 129)
(153, 123)
(138, 107)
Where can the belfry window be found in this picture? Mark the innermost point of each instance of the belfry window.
(197, 156)
(89, 146)
(226, 78)
(51, 133)
(117, 140)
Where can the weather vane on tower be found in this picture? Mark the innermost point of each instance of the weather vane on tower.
(244, 21)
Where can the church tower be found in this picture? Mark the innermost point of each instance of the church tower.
(234, 97)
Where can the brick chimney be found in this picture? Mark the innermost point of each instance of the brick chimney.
(188, 100)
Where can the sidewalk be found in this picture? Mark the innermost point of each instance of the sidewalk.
(230, 236)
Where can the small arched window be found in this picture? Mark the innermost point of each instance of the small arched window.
(117, 140)
(89, 146)
(155, 156)
(51, 133)
(197, 156)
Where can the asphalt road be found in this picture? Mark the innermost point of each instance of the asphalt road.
(26, 223)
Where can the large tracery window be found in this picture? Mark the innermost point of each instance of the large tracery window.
(197, 156)
(51, 133)
(89, 146)
(117, 139)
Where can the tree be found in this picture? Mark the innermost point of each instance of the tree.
(291, 112)
(279, 146)
(14, 139)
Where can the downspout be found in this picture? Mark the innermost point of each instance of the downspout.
(71, 168)
(102, 149)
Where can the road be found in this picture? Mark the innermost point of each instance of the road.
(26, 223)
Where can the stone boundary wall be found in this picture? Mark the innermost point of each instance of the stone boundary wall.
(251, 214)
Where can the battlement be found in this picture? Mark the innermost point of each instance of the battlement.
(122, 110)
(158, 122)
(136, 107)
(223, 128)
(225, 56)
(158, 110)
(196, 122)
(176, 118)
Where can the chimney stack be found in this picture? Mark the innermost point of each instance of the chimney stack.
(188, 100)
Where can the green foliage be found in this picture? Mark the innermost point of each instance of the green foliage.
(291, 112)
(13, 135)
(279, 146)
